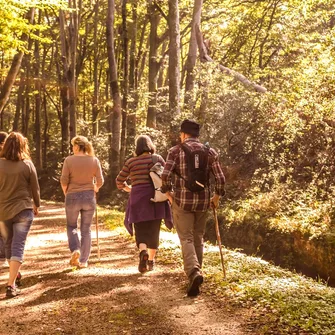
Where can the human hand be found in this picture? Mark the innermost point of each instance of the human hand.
(215, 201)
(127, 188)
(170, 197)
(35, 210)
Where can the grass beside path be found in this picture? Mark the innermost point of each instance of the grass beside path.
(281, 302)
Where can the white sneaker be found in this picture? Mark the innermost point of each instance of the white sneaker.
(74, 261)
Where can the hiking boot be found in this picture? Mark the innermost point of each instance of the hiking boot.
(12, 291)
(82, 265)
(18, 279)
(142, 265)
(151, 265)
(196, 279)
(74, 261)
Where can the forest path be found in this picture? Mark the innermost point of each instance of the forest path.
(110, 296)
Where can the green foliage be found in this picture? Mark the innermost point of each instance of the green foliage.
(280, 302)
(283, 301)
(277, 148)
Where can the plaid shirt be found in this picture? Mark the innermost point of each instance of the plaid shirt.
(176, 166)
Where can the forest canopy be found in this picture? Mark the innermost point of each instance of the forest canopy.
(111, 70)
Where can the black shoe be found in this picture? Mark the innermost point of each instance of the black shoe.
(18, 279)
(151, 265)
(142, 266)
(12, 291)
(196, 279)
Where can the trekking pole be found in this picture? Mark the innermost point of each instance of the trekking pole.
(218, 237)
(97, 225)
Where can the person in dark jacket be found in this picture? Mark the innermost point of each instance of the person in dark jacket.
(190, 208)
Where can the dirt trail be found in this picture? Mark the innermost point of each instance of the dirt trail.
(110, 296)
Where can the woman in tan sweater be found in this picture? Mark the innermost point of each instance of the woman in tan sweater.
(81, 179)
(18, 184)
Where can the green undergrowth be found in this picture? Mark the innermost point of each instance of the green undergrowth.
(282, 302)
(284, 210)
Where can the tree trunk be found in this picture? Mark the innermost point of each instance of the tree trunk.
(174, 59)
(19, 103)
(95, 109)
(72, 75)
(45, 132)
(115, 117)
(64, 91)
(131, 120)
(69, 41)
(15, 67)
(192, 56)
(38, 146)
(153, 64)
(125, 84)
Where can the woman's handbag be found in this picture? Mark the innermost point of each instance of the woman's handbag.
(155, 174)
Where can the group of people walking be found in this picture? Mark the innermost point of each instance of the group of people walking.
(82, 178)
(189, 209)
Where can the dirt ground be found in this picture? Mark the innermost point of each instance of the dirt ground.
(108, 297)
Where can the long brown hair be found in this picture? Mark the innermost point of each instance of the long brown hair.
(15, 148)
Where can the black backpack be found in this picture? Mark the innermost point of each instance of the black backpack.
(197, 167)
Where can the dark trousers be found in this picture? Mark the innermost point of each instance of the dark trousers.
(148, 232)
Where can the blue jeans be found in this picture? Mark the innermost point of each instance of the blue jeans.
(83, 203)
(14, 233)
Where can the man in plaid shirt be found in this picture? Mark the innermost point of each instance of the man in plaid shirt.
(190, 208)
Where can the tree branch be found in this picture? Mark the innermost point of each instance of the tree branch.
(204, 57)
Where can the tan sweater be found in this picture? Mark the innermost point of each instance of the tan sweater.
(81, 173)
(18, 184)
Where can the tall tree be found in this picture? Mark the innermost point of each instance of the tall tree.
(192, 55)
(69, 34)
(174, 59)
(154, 15)
(125, 82)
(37, 66)
(133, 73)
(95, 108)
(115, 116)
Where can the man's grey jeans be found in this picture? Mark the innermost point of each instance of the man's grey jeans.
(190, 227)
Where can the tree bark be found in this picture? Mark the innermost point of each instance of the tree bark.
(64, 91)
(95, 109)
(125, 83)
(153, 64)
(133, 72)
(174, 59)
(38, 146)
(115, 117)
(72, 75)
(192, 56)
(69, 41)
